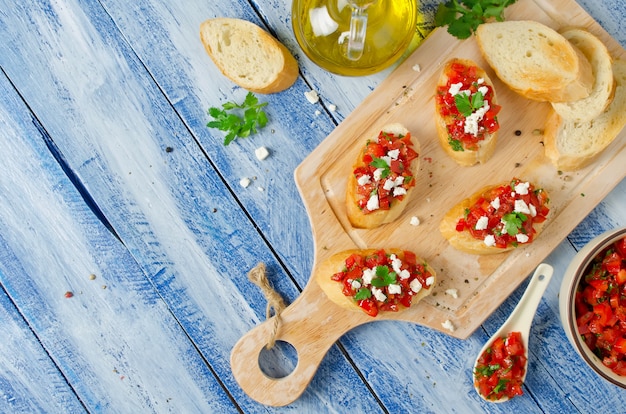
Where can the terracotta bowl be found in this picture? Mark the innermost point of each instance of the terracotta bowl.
(574, 273)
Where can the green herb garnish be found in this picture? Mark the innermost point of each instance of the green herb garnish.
(381, 163)
(456, 144)
(467, 104)
(363, 293)
(463, 16)
(513, 222)
(383, 277)
(243, 122)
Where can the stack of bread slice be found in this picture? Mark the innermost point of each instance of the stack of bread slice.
(572, 70)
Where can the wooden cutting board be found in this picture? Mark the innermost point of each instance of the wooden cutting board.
(312, 323)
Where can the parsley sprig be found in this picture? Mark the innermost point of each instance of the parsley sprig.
(381, 163)
(463, 16)
(238, 120)
(467, 104)
(513, 222)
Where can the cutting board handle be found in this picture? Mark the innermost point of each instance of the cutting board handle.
(311, 324)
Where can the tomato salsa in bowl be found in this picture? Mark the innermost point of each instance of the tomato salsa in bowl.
(592, 305)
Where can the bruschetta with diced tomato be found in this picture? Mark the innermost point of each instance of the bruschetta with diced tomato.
(375, 281)
(466, 112)
(382, 178)
(497, 218)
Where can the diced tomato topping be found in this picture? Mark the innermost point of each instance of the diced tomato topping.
(600, 306)
(395, 166)
(500, 369)
(386, 268)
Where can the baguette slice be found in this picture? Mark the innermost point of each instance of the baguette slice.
(248, 55)
(572, 145)
(595, 51)
(360, 218)
(535, 61)
(337, 263)
(463, 155)
(466, 242)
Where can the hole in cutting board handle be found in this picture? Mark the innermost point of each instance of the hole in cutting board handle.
(279, 361)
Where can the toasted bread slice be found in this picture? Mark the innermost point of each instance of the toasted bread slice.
(595, 51)
(335, 289)
(535, 61)
(358, 214)
(248, 55)
(572, 145)
(454, 224)
(466, 148)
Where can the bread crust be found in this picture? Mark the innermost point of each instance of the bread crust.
(572, 145)
(248, 55)
(463, 240)
(535, 61)
(373, 219)
(336, 263)
(487, 146)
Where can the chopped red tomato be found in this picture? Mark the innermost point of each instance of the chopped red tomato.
(600, 306)
(504, 217)
(383, 282)
(500, 369)
(385, 173)
(467, 78)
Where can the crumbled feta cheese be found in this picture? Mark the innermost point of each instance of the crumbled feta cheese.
(373, 203)
(332, 107)
(533, 210)
(364, 179)
(452, 292)
(394, 289)
(482, 223)
(378, 173)
(447, 324)
(455, 88)
(404, 274)
(522, 188)
(261, 153)
(399, 180)
(396, 264)
(312, 96)
(417, 67)
(480, 81)
(490, 240)
(399, 191)
(244, 182)
(430, 280)
(261, 189)
(415, 221)
(471, 122)
(378, 294)
(521, 207)
(415, 285)
(483, 90)
(318, 112)
(356, 284)
(387, 159)
(495, 203)
(368, 275)
(389, 184)
(521, 237)
(394, 154)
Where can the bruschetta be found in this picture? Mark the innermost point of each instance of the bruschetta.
(497, 218)
(382, 177)
(466, 112)
(374, 281)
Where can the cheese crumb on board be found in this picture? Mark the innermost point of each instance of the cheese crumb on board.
(261, 153)
(452, 292)
(447, 324)
(415, 221)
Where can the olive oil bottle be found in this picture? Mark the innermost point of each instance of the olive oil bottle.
(322, 29)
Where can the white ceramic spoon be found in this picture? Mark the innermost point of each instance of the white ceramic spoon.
(522, 316)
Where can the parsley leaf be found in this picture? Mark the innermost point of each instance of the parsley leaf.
(463, 16)
(513, 222)
(381, 163)
(383, 277)
(363, 293)
(456, 144)
(467, 104)
(243, 123)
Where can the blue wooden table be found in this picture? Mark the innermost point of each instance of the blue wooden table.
(126, 238)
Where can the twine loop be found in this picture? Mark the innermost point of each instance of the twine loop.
(275, 302)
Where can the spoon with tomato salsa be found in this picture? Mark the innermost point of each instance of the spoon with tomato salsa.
(500, 369)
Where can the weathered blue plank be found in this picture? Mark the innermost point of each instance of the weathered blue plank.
(170, 208)
(114, 341)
